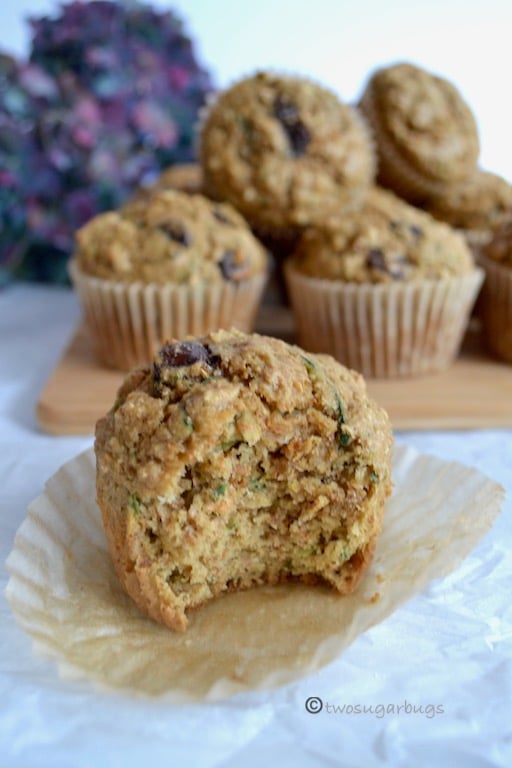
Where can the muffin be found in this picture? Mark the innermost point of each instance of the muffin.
(386, 289)
(185, 177)
(474, 206)
(284, 151)
(166, 266)
(495, 305)
(424, 131)
(237, 460)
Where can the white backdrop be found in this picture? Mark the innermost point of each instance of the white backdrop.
(340, 41)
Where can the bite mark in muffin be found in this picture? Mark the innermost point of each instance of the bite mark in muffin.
(235, 461)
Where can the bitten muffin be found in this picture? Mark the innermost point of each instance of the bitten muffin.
(425, 133)
(284, 151)
(475, 206)
(238, 460)
(386, 289)
(169, 265)
(495, 305)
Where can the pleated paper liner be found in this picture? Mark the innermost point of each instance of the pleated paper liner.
(495, 308)
(65, 594)
(384, 331)
(129, 322)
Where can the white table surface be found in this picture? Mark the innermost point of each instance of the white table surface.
(451, 646)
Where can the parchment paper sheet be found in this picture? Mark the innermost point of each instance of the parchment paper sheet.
(65, 594)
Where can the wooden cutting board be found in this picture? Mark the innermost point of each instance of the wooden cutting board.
(476, 392)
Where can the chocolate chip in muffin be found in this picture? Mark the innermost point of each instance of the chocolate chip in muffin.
(231, 267)
(221, 216)
(181, 354)
(176, 232)
(416, 231)
(375, 260)
(398, 226)
(288, 115)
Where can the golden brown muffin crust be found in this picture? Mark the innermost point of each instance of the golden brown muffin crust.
(185, 177)
(238, 460)
(480, 202)
(386, 240)
(424, 130)
(173, 237)
(284, 150)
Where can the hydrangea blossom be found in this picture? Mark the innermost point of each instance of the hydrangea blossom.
(108, 98)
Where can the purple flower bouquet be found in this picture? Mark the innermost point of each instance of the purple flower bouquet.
(108, 98)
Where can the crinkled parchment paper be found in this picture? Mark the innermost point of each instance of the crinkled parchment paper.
(65, 594)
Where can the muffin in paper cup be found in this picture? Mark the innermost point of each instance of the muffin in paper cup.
(474, 206)
(495, 303)
(386, 290)
(65, 594)
(165, 267)
(384, 331)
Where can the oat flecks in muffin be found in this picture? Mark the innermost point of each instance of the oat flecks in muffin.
(238, 460)
(170, 236)
(284, 151)
(386, 240)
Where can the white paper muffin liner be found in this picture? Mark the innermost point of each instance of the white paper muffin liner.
(495, 308)
(129, 322)
(384, 331)
(65, 594)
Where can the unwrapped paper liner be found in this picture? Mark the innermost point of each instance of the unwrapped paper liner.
(64, 592)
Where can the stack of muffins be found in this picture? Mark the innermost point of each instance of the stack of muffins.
(428, 145)
(379, 278)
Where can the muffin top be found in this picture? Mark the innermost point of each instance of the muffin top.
(477, 203)
(424, 118)
(238, 460)
(284, 150)
(170, 236)
(212, 400)
(499, 248)
(185, 177)
(386, 240)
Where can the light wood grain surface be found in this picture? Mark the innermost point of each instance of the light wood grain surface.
(476, 392)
